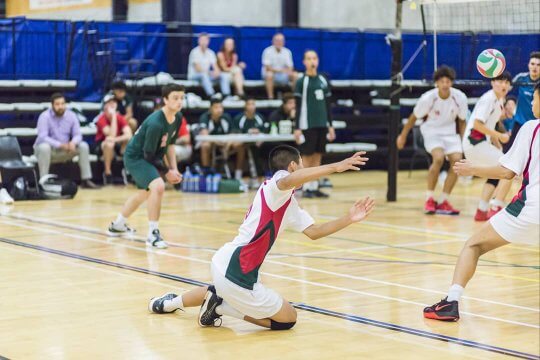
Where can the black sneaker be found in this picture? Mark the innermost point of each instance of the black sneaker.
(115, 230)
(155, 240)
(443, 310)
(208, 315)
(156, 304)
(108, 179)
(319, 194)
(308, 194)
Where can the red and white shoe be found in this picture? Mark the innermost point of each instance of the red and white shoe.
(481, 215)
(445, 208)
(430, 207)
(493, 210)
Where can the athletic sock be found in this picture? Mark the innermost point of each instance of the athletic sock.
(455, 292)
(429, 194)
(176, 303)
(120, 220)
(238, 174)
(226, 309)
(495, 202)
(483, 206)
(152, 225)
(315, 185)
(443, 197)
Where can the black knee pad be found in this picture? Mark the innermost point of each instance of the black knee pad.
(274, 325)
(493, 182)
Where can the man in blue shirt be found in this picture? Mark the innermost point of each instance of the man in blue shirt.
(524, 88)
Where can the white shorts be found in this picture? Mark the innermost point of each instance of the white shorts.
(484, 153)
(259, 303)
(515, 230)
(451, 144)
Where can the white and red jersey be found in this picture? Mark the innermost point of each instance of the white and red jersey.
(523, 158)
(488, 110)
(440, 114)
(272, 210)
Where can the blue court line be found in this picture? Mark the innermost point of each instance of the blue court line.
(317, 310)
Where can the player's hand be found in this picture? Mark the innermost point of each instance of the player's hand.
(297, 136)
(463, 168)
(173, 176)
(361, 209)
(331, 134)
(352, 163)
(504, 138)
(400, 142)
(72, 147)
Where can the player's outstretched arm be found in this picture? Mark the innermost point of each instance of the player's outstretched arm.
(358, 212)
(466, 168)
(299, 177)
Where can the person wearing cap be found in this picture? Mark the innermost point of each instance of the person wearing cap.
(113, 134)
(59, 139)
(216, 122)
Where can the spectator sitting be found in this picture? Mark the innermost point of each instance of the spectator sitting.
(183, 143)
(287, 112)
(59, 139)
(113, 134)
(202, 67)
(230, 67)
(216, 122)
(277, 65)
(125, 103)
(250, 121)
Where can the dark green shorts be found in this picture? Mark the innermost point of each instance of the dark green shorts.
(141, 171)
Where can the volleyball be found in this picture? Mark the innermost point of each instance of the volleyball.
(491, 63)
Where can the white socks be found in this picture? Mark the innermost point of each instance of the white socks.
(429, 194)
(176, 303)
(226, 309)
(443, 197)
(483, 206)
(455, 292)
(152, 225)
(312, 185)
(495, 203)
(238, 174)
(120, 220)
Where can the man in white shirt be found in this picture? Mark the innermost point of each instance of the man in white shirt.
(237, 290)
(202, 67)
(440, 108)
(277, 65)
(482, 142)
(517, 223)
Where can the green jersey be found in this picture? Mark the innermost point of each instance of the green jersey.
(242, 123)
(221, 127)
(153, 136)
(313, 93)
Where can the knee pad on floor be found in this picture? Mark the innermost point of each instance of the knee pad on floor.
(274, 325)
(493, 182)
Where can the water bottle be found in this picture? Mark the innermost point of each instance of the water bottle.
(273, 129)
(196, 182)
(216, 179)
(202, 183)
(186, 178)
(209, 184)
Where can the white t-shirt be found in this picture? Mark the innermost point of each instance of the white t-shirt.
(523, 158)
(269, 203)
(276, 59)
(205, 60)
(440, 114)
(488, 109)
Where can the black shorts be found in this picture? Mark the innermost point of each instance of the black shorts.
(315, 141)
(515, 131)
(99, 151)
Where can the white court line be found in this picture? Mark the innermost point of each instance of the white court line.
(269, 260)
(161, 252)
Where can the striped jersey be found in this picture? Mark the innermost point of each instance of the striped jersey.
(440, 114)
(489, 110)
(523, 158)
(272, 210)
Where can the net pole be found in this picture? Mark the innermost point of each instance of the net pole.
(395, 110)
(435, 62)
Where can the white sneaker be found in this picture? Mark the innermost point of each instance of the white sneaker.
(155, 240)
(115, 230)
(5, 198)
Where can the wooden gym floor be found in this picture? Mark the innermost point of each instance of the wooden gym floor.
(67, 291)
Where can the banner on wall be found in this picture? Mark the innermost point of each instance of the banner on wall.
(49, 4)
